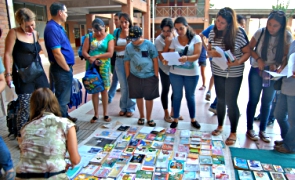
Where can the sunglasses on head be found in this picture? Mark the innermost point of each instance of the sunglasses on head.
(278, 12)
(224, 12)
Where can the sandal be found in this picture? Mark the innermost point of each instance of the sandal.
(230, 141)
(140, 121)
(129, 114)
(107, 118)
(122, 113)
(94, 119)
(151, 123)
(180, 118)
(173, 124)
(216, 132)
(168, 119)
(202, 88)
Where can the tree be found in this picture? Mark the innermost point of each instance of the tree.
(283, 7)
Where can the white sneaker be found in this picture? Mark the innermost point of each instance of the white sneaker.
(213, 110)
(208, 96)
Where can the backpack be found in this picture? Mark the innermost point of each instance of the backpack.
(92, 81)
(113, 58)
(12, 110)
(76, 94)
(81, 47)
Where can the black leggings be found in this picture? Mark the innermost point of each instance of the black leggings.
(165, 81)
(227, 91)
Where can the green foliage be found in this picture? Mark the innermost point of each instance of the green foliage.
(211, 5)
(281, 5)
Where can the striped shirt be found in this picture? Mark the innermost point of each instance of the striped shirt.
(240, 42)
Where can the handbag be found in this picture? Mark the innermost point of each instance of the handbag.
(278, 84)
(92, 81)
(33, 71)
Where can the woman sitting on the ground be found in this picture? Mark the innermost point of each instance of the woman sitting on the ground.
(45, 139)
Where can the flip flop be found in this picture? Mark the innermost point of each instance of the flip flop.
(202, 88)
(217, 132)
(140, 121)
(230, 141)
(122, 113)
(168, 119)
(129, 114)
(151, 123)
(107, 118)
(94, 119)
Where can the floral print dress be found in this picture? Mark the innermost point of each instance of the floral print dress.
(43, 147)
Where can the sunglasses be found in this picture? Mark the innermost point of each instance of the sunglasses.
(224, 12)
(280, 13)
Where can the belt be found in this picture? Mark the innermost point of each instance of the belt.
(120, 56)
(38, 175)
(70, 65)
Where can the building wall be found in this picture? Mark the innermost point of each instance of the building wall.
(3, 24)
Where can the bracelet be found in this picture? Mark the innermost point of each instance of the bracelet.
(257, 58)
(8, 74)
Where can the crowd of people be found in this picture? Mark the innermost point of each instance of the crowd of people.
(138, 64)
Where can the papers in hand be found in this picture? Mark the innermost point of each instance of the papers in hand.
(172, 58)
(220, 61)
(288, 70)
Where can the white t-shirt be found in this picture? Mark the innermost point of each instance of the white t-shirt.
(188, 68)
(121, 42)
(160, 44)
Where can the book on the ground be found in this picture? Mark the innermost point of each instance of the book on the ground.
(206, 146)
(160, 137)
(150, 137)
(189, 175)
(90, 169)
(206, 141)
(168, 147)
(140, 150)
(124, 158)
(206, 171)
(185, 133)
(108, 134)
(218, 169)
(260, 175)
(196, 134)
(183, 148)
(134, 142)
(102, 172)
(171, 131)
(217, 151)
(161, 176)
(157, 145)
(240, 163)
(184, 140)
(278, 168)
(144, 175)
(99, 158)
(267, 167)
(115, 153)
(121, 145)
(180, 156)
(254, 165)
(123, 128)
(290, 176)
(99, 142)
(140, 136)
(203, 159)
(149, 163)
(72, 172)
(169, 154)
(245, 175)
(289, 170)
(108, 147)
(218, 159)
(190, 160)
(191, 167)
(126, 137)
(137, 158)
(169, 140)
(146, 130)
(162, 161)
(129, 150)
(176, 167)
(175, 176)
(218, 143)
(220, 176)
(207, 152)
(277, 176)
(133, 130)
(132, 168)
(116, 170)
(126, 176)
(152, 151)
(206, 135)
(109, 162)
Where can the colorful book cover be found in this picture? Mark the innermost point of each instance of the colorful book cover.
(140, 136)
(277, 176)
(149, 160)
(176, 167)
(102, 172)
(144, 175)
(196, 134)
(190, 175)
(278, 168)
(195, 146)
(217, 151)
(90, 169)
(245, 175)
(184, 140)
(290, 176)
(127, 137)
(206, 152)
(116, 170)
(152, 151)
(206, 171)
(123, 128)
(108, 134)
(218, 169)
(126, 176)
(191, 167)
(162, 161)
(124, 158)
(72, 172)
(206, 141)
(160, 137)
(108, 147)
(192, 160)
(129, 150)
(140, 150)
(206, 146)
(121, 145)
(183, 148)
(254, 165)
(205, 159)
(194, 150)
(169, 154)
(137, 158)
(218, 143)
(180, 156)
(168, 147)
(185, 133)
(157, 145)
(109, 162)
(206, 135)
(115, 153)
(134, 142)
(150, 137)
(99, 158)
(240, 163)
(222, 177)
(169, 140)
(175, 176)
(132, 168)
(216, 159)
(161, 176)
(259, 175)
(267, 167)
(133, 130)
(170, 130)
(289, 170)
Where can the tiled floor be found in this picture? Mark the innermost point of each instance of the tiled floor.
(208, 121)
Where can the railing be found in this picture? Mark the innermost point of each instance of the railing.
(176, 11)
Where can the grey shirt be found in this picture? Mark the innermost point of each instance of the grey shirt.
(288, 85)
(160, 44)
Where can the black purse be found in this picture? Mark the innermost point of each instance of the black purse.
(278, 84)
(33, 71)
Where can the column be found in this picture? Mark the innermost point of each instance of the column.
(247, 24)
(206, 13)
(89, 19)
(128, 8)
(112, 25)
(146, 25)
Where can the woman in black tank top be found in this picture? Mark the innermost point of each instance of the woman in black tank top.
(20, 45)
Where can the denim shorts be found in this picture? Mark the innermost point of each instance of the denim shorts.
(147, 88)
(202, 63)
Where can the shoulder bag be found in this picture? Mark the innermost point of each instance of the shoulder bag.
(92, 80)
(33, 71)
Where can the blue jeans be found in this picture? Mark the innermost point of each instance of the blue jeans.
(189, 83)
(113, 88)
(5, 157)
(62, 85)
(285, 115)
(126, 104)
(255, 88)
(214, 104)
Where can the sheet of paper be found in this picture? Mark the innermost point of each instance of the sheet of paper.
(275, 74)
(172, 58)
(220, 61)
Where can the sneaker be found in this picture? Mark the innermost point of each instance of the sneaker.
(282, 149)
(270, 122)
(213, 110)
(257, 118)
(279, 143)
(208, 96)
(72, 119)
(195, 124)
(263, 137)
(251, 135)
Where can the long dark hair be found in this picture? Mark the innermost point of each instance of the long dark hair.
(280, 17)
(190, 33)
(231, 31)
(127, 17)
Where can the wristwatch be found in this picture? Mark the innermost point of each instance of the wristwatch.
(8, 74)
